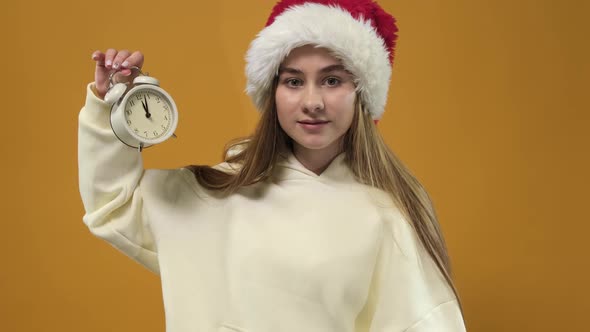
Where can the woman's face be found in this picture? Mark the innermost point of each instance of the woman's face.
(315, 100)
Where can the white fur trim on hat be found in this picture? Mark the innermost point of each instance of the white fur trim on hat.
(355, 42)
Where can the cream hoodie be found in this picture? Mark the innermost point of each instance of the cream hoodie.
(299, 252)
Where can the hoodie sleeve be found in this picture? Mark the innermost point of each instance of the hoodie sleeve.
(109, 175)
(408, 293)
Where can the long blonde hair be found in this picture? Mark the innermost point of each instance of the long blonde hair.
(367, 155)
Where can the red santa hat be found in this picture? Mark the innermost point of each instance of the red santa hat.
(358, 32)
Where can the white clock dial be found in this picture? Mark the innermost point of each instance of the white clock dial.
(148, 114)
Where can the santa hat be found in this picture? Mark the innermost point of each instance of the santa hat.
(358, 32)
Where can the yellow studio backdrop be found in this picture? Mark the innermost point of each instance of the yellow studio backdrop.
(488, 106)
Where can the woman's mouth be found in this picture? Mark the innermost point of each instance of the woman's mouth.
(312, 125)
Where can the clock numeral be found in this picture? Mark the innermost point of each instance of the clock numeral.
(136, 130)
(166, 117)
(129, 122)
(132, 103)
(128, 112)
(163, 127)
(158, 99)
(166, 107)
(155, 133)
(139, 97)
(146, 133)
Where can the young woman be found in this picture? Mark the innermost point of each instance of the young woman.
(310, 224)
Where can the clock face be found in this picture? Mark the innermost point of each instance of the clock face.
(148, 114)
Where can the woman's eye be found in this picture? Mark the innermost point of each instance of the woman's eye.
(293, 82)
(332, 81)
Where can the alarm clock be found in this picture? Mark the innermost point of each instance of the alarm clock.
(142, 113)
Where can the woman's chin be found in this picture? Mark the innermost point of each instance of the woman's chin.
(314, 145)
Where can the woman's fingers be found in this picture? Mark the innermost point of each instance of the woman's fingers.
(135, 59)
(114, 59)
(111, 61)
(98, 56)
(109, 57)
(119, 58)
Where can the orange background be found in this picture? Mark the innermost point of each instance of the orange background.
(486, 107)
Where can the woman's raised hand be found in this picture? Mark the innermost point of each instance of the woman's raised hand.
(113, 60)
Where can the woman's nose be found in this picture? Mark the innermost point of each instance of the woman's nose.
(313, 99)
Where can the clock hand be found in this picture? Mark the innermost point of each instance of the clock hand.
(146, 107)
